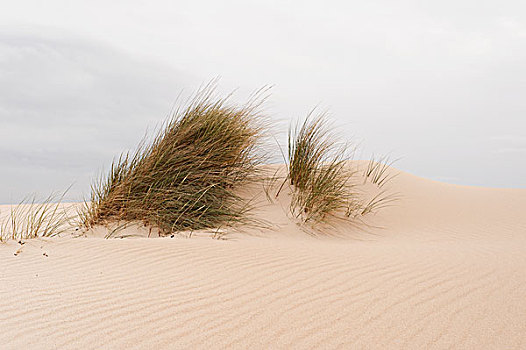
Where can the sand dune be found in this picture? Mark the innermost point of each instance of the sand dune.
(443, 268)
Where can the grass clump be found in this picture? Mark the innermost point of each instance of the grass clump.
(378, 174)
(33, 218)
(377, 171)
(317, 171)
(187, 177)
(323, 184)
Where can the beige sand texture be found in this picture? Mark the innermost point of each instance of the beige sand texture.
(445, 268)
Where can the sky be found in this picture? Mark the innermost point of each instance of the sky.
(439, 85)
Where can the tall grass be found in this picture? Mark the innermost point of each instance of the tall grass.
(317, 171)
(188, 176)
(33, 218)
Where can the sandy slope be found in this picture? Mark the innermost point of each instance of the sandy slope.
(444, 268)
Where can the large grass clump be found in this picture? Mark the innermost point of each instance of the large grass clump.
(317, 171)
(188, 176)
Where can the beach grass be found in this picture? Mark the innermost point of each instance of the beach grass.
(317, 170)
(34, 217)
(324, 186)
(377, 171)
(188, 176)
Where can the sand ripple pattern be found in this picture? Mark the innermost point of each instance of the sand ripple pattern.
(195, 293)
(434, 279)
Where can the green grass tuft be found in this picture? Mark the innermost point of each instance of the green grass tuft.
(317, 171)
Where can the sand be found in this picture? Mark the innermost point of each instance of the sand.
(443, 268)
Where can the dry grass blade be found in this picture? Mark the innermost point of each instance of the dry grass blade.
(381, 200)
(187, 177)
(377, 170)
(269, 183)
(33, 218)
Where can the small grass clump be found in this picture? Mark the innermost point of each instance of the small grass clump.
(377, 170)
(377, 173)
(33, 218)
(317, 171)
(188, 176)
(324, 187)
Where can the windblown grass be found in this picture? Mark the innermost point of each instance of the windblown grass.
(379, 174)
(377, 170)
(188, 176)
(317, 171)
(323, 185)
(382, 199)
(33, 218)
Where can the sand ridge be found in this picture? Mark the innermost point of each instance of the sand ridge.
(444, 268)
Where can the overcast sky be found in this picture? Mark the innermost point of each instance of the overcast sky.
(440, 84)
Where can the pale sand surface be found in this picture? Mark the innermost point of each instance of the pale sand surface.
(444, 268)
